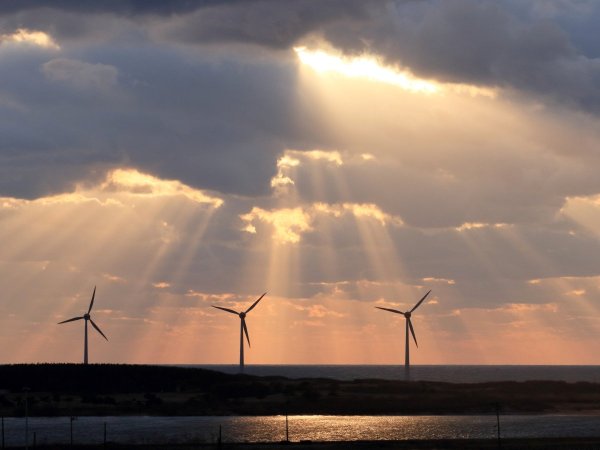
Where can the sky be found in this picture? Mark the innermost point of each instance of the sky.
(337, 154)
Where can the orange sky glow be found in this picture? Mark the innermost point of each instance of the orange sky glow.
(418, 184)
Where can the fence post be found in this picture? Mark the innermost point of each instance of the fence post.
(34, 439)
(287, 429)
(72, 419)
(2, 432)
(498, 424)
(26, 390)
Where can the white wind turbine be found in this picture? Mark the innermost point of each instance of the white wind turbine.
(86, 317)
(243, 328)
(409, 326)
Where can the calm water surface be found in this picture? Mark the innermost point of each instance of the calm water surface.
(318, 428)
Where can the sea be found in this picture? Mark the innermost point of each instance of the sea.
(172, 430)
(206, 429)
(445, 373)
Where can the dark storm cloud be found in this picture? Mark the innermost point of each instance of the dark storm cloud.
(482, 42)
(268, 23)
(129, 7)
(504, 44)
(538, 47)
(215, 123)
(264, 22)
(123, 91)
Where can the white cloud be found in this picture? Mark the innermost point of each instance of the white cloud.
(137, 183)
(25, 36)
(288, 223)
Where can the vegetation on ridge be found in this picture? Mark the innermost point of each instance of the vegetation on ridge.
(109, 389)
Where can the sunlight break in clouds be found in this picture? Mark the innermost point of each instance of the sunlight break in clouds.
(31, 37)
(363, 67)
(290, 223)
(585, 211)
(293, 158)
(135, 182)
(359, 210)
(283, 164)
(121, 233)
(122, 181)
(476, 225)
(369, 67)
(329, 156)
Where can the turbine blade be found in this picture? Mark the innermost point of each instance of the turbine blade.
(98, 329)
(226, 309)
(255, 303)
(92, 302)
(390, 310)
(412, 331)
(71, 320)
(420, 301)
(246, 331)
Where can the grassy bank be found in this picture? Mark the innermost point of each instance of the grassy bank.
(108, 389)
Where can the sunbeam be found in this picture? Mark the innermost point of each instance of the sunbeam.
(126, 227)
(368, 67)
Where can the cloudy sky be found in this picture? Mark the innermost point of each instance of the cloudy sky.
(338, 154)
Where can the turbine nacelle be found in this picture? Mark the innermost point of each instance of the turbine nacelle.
(87, 317)
(409, 327)
(243, 328)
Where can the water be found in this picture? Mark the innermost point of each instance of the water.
(454, 374)
(163, 430)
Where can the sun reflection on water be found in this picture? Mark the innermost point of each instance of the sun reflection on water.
(240, 429)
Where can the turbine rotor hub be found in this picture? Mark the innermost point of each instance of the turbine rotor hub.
(86, 316)
(242, 315)
(407, 315)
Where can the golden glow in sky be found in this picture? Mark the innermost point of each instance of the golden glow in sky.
(119, 233)
(362, 185)
(288, 223)
(135, 182)
(364, 67)
(368, 67)
(31, 37)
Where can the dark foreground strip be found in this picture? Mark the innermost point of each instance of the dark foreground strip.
(467, 444)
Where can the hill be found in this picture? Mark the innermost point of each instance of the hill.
(112, 389)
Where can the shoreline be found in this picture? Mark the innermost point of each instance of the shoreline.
(291, 416)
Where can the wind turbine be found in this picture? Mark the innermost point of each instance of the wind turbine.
(243, 328)
(409, 326)
(87, 317)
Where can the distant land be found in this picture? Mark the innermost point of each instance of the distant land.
(113, 389)
(453, 373)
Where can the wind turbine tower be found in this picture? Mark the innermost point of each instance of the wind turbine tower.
(409, 327)
(243, 327)
(87, 317)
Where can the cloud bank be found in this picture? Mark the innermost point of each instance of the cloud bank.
(183, 153)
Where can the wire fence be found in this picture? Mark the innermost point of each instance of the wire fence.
(146, 430)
